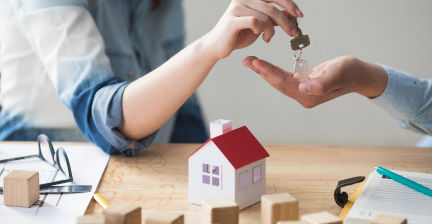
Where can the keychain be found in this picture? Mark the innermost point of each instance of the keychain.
(301, 66)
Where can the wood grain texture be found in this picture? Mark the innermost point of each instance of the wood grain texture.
(121, 213)
(278, 207)
(219, 210)
(386, 219)
(21, 188)
(164, 217)
(91, 219)
(321, 218)
(157, 178)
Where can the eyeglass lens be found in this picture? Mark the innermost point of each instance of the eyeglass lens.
(63, 162)
(45, 149)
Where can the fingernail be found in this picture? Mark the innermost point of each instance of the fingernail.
(294, 32)
(299, 13)
(304, 88)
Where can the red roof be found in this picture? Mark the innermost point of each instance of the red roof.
(239, 146)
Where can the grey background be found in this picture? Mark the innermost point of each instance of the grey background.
(396, 33)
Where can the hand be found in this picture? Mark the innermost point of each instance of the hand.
(329, 80)
(245, 20)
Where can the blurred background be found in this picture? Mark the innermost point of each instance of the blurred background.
(396, 33)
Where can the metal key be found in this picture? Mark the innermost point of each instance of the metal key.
(301, 41)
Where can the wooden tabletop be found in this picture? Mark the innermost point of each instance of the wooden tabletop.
(157, 178)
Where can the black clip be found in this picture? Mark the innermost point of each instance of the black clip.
(342, 198)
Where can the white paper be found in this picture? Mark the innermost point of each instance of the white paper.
(388, 197)
(87, 164)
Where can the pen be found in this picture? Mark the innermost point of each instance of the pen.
(101, 201)
(404, 181)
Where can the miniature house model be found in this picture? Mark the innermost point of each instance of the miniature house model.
(232, 163)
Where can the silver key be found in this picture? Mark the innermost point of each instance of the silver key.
(303, 68)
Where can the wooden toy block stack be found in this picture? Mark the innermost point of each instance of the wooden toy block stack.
(321, 218)
(91, 219)
(220, 210)
(385, 219)
(21, 188)
(123, 214)
(278, 207)
(162, 217)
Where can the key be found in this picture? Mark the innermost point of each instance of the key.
(301, 41)
(303, 68)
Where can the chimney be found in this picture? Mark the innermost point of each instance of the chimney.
(219, 127)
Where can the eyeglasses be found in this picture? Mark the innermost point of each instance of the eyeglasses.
(57, 159)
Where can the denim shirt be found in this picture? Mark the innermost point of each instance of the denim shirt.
(408, 99)
(65, 64)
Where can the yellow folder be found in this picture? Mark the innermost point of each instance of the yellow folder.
(351, 201)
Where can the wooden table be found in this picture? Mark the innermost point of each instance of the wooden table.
(157, 178)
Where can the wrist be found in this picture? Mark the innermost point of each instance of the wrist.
(373, 79)
(205, 47)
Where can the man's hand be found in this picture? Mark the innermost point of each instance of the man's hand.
(329, 80)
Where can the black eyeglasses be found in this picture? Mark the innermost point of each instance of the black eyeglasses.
(57, 159)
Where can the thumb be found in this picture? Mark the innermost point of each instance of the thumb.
(320, 85)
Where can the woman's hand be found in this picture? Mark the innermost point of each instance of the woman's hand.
(245, 20)
(328, 81)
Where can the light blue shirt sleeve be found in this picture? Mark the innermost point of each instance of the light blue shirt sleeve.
(407, 99)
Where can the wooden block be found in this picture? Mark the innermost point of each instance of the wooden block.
(220, 210)
(278, 207)
(292, 222)
(123, 214)
(321, 218)
(162, 217)
(21, 188)
(386, 219)
(91, 219)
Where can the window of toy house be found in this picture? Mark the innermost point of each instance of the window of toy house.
(243, 179)
(257, 171)
(211, 175)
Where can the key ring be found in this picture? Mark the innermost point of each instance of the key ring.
(296, 58)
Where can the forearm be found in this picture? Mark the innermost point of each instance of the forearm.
(150, 101)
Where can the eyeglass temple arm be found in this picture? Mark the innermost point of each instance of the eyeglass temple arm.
(18, 158)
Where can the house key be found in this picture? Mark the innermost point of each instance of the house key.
(301, 66)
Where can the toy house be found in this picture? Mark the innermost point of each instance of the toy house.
(232, 163)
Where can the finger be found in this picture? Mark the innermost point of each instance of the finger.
(290, 6)
(276, 68)
(275, 15)
(297, 76)
(319, 70)
(247, 62)
(285, 84)
(321, 85)
(248, 22)
(269, 31)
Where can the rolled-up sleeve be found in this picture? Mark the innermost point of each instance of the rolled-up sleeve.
(408, 99)
(68, 43)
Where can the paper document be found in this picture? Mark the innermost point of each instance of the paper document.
(385, 196)
(87, 165)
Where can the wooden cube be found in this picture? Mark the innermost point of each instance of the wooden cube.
(386, 219)
(321, 218)
(278, 207)
(220, 210)
(162, 217)
(91, 219)
(21, 188)
(123, 214)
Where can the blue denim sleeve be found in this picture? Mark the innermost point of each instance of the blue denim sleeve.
(407, 99)
(107, 122)
(79, 69)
